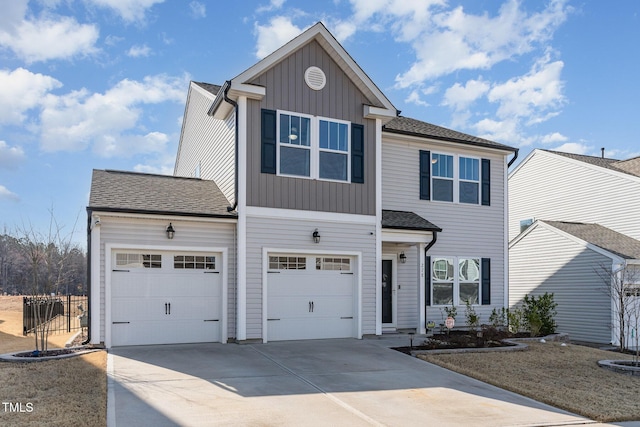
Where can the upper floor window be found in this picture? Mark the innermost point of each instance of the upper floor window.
(454, 178)
(313, 147)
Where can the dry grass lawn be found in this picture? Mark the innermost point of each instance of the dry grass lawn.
(564, 377)
(65, 392)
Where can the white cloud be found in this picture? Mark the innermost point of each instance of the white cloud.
(276, 33)
(553, 138)
(109, 121)
(138, 51)
(460, 97)
(415, 98)
(535, 95)
(573, 147)
(129, 10)
(13, 12)
(8, 195)
(504, 131)
(20, 91)
(49, 38)
(273, 5)
(198, 10)
(10, 157)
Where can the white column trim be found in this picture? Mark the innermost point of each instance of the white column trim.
(241, 194)
(378, 172)
(422, 307)
(96, 285)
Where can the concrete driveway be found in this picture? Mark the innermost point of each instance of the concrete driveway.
(329, 382)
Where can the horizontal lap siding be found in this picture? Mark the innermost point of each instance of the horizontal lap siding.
(295, 234)
(467, 230)
(146, 232)
(207, 141)
(339, 99)
(543, 261)
(407, 293)
(552, 187)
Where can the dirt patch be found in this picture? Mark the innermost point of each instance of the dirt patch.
(567, 377)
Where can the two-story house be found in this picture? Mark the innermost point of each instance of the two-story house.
(574, 232)
(302, 206)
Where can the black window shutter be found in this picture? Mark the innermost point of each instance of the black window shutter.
(427, 281)
(357, 153)
(268, 137)
(486, 281)
(486, 182)
(425, 175)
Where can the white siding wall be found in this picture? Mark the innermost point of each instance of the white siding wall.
(547, 262)
(552, 187)
(468, 230)
(295, 234)
(151, 232)
(208, 142)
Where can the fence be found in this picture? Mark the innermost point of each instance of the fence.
(69, 313)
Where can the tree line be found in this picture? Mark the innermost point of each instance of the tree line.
(34, 263)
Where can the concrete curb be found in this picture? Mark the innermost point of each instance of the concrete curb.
(11, 357)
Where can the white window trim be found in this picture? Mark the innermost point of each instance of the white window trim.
(314, 146)
(456, 178)
(456, 279)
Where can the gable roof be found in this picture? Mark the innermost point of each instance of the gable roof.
(413, 127)
(406, 221)
(630, 166)
(120, 191)
(595, 234)
(211, 88)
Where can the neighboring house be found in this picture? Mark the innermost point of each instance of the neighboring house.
(331, 215)
(572, 222)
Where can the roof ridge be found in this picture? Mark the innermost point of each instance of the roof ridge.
(159, 175)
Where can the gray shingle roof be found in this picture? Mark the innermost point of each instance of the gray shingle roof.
(406, 221)
(630, 166)
(407, 126)
(603, 237)
(119, 191)
(214, 89)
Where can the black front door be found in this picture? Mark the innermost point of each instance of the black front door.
(387, 291)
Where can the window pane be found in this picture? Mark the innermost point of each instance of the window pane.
(442, 165)
(469, 192)
(333, 136)
(294, 161)
(443, 269)
(343, 143)
(333, 166)
(324, 134)
(469, 169)
(443, 190)
(284, 127)
(305, 131)
(443, 293)
(469, 292)
(469, 269)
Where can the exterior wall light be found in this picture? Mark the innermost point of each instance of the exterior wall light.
(316, 236)
(170, 231)
(403, 258)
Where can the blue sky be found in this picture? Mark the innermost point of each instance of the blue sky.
(102, 83)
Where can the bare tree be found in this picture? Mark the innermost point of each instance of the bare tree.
(620, 283)
(47, 256)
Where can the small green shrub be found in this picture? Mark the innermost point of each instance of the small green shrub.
(515, 320)
(473, 320)
(451, 311)
(539, 314)
(498, 318)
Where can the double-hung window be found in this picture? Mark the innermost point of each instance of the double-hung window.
(442, 171)
(454, 178)
(313, 147)
(455, 280)
(469, 182)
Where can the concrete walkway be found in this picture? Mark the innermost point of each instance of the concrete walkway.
(312, 383)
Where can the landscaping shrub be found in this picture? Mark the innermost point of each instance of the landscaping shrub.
(539, 314)
(473, 320)
(498, 318)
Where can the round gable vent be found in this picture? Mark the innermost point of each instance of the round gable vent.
(315, 78)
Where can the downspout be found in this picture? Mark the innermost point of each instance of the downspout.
(433, 241)
(227, 86)
(88, 340)
(513, 159)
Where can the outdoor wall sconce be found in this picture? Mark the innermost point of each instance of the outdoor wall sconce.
(316, 236)
(403, 258)
(170, 231)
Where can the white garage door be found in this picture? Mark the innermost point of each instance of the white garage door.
(165, 298)
(310, 297)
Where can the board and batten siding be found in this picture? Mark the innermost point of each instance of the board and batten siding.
(151, 232)
(207, 142)
(339, 99)
(543, 261)
(467, 230)
(295, 234)
(552, 187)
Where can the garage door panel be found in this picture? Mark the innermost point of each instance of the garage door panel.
(310, 328)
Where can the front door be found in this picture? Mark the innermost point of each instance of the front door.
(388, 294)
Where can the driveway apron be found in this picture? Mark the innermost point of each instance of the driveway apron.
(343, 382)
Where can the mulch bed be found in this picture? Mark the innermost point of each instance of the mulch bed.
(487, 338)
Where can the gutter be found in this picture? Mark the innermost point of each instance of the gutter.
(225, 94)
(513, 159)
(433, 241)
(88, 340)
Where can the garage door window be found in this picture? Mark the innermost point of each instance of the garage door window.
(333, 264)
(287, 263)
(194, 262)
(137, 260)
